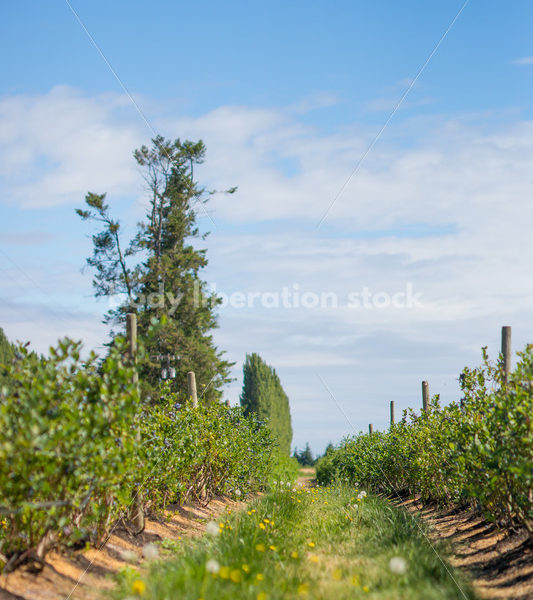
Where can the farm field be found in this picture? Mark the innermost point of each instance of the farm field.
(266, 301)
(333, 542)
(349, 558)
(279, 533)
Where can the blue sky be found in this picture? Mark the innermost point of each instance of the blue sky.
(287, 97)
(202, 55)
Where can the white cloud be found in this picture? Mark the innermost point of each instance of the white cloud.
(44, 300)
(42, 325)
(59, 145)
(449, 211)
(525, 60)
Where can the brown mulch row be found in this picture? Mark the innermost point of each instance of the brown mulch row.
(499, 562)
(86, 574)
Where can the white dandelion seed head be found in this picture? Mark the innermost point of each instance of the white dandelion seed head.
(212, 566)
(361, 495)
(398, 565)
(238, 493)
(212, 528)
(150, 551)
(129, 556)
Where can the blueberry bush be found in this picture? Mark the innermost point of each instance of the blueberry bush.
(476, 452)
(77, 443)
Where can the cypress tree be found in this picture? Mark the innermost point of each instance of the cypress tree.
(263, 395)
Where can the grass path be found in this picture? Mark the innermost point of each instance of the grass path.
(310, 542)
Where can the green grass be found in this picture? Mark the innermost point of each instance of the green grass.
(310, 543)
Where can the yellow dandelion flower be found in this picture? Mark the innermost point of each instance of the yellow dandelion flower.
(366, 588)
(262, 596)
(260, 577)
(236, 576)
(294, 554)
(224, 572)
(273, 548)
(249, 512)
(314, 558)
(266, 520)
(311, 544)
(261, 525)
(221, 525)
(253, 510)
(303, 589)
(260, 547)
(138, 587)
(355, 580)
(245, 568)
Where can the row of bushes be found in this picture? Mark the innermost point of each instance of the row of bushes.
(77, 444)
(476, 452)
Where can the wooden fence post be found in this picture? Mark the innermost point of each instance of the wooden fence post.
(506, 351)
(191, 382)
(131, 333)
(392, 412)
(136, 511)
(370, 429)
(425, 396)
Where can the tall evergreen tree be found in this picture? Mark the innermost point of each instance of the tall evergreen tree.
(263, 395)
(158, 271)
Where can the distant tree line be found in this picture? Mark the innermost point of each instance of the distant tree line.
(305, 457)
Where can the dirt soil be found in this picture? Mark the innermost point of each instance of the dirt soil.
(499, 562)
(306, 477)
(87, 574)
